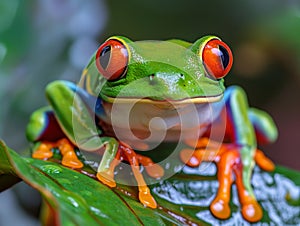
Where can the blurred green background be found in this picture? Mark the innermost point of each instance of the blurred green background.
(44, 40)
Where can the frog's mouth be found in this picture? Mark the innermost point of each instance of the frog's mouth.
(191, 100)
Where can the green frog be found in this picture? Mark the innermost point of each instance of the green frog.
(134, 95)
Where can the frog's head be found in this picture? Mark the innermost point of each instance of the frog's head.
(172, 70)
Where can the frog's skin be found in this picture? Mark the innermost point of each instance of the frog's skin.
(162, 78)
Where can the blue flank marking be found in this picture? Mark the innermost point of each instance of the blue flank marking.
(45, 124)
(227, 94)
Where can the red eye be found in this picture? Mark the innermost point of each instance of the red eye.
(217, 58)
(112, 59)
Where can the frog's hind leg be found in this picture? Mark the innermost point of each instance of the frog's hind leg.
(264, 126)
(265, 132)
(44, 130)
(43, 125)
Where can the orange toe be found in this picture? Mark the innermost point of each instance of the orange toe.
(186, 156)
(147, 199)
(42, 154)
(155, 171)
(252, 212)
(220, 209)
(71, 160)
(263, 161)
(106, 179)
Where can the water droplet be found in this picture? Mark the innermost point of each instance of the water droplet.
(73, 201)
(98, 212)
(51, 169)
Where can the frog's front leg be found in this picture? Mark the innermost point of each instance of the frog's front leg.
(73, 123)
(227, 158)
(241, 153)
(65, 124)
(105, 172)
(238, 159)
(238, 156)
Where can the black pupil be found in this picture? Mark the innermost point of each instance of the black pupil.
(224, 56)
(105, 56)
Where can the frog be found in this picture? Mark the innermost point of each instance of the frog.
(168, 83)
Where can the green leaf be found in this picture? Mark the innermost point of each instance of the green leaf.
(73, 198)
(77, 198)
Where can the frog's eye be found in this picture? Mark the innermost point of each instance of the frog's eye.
(217, 58)
(112, 59)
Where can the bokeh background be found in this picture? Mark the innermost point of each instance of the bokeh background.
(45, 40)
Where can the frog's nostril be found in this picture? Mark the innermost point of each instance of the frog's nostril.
(152, 79)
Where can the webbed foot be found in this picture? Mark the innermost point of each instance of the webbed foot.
(69, 157)
(126, 153)
(134, 160)
(106, 179)
(43, 151)
(146, 198)
(229, 163)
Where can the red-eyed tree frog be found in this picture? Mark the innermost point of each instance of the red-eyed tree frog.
(136, 94)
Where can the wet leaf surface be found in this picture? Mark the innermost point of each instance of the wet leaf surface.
(77, 198)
